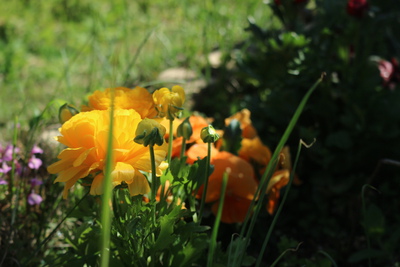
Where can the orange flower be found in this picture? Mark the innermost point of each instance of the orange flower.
(85, 136)
(197, 123)
(254, 151)
(243, 116)
(138, 99)
(278, 181)
(241, 185)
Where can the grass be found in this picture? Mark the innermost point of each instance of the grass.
(67, 49)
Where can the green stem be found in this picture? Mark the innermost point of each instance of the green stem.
(107, 195)
(154, 182)
(170, 140)
(213, 240)
(203, 197)
(183, 148)
(278, 212)
(14, 189)
(364, 209)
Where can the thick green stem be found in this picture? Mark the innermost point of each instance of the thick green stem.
(213, 241)
(183, 148)
(203, 197)
(154, 182)
(171, 138)
(107, 195)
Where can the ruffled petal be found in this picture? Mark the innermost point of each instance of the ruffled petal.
(139, 185)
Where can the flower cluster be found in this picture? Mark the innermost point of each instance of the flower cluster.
(244, 168)
(85, 136)
(25, 169)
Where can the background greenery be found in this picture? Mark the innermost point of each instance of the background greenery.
(66, 49)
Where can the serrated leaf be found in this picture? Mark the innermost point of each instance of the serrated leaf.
(167, 222)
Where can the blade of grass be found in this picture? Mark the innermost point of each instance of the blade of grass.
(213, 240)
(14, 189)
(136, 56)
(267, 174)
(107, 193)
(283, 254)
(364, 210)
(278, 212)
(329, 257)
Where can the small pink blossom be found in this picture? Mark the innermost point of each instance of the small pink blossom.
(5, 168)
(36, 150)
(34, 199)
(34, 163)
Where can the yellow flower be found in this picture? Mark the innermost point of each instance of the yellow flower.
(169, 102)
(138, 99)
(85, 136)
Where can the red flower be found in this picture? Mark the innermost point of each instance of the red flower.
(357, 8)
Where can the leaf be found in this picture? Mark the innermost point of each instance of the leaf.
(167, 223)
(191, 251)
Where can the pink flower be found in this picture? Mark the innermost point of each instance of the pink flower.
(36, 150)
(34, 199)
(34, 163)
(390, 72)
(8, 152)
(5, 168)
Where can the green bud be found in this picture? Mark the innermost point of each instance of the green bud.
(185, 129)
(149, 132)
(66, 112)
(208, 134)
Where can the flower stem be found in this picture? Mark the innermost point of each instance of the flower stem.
(154, 182)
(106, 212)
(171, 138)
(203, 197)
(13, 188)
(213, 241)
(183, 148)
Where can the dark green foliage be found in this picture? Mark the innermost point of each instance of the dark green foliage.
(354, 116)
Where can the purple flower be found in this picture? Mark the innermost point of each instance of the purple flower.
(36, 150)
(35, 181)
(2, 181)
(34, 199)
(34, 163)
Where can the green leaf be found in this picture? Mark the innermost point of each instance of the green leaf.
(191, 251)
(167, 223)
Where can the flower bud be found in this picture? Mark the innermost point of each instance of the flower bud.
(149, 132)
(209, 135)
(66, 112)
(185, 129)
